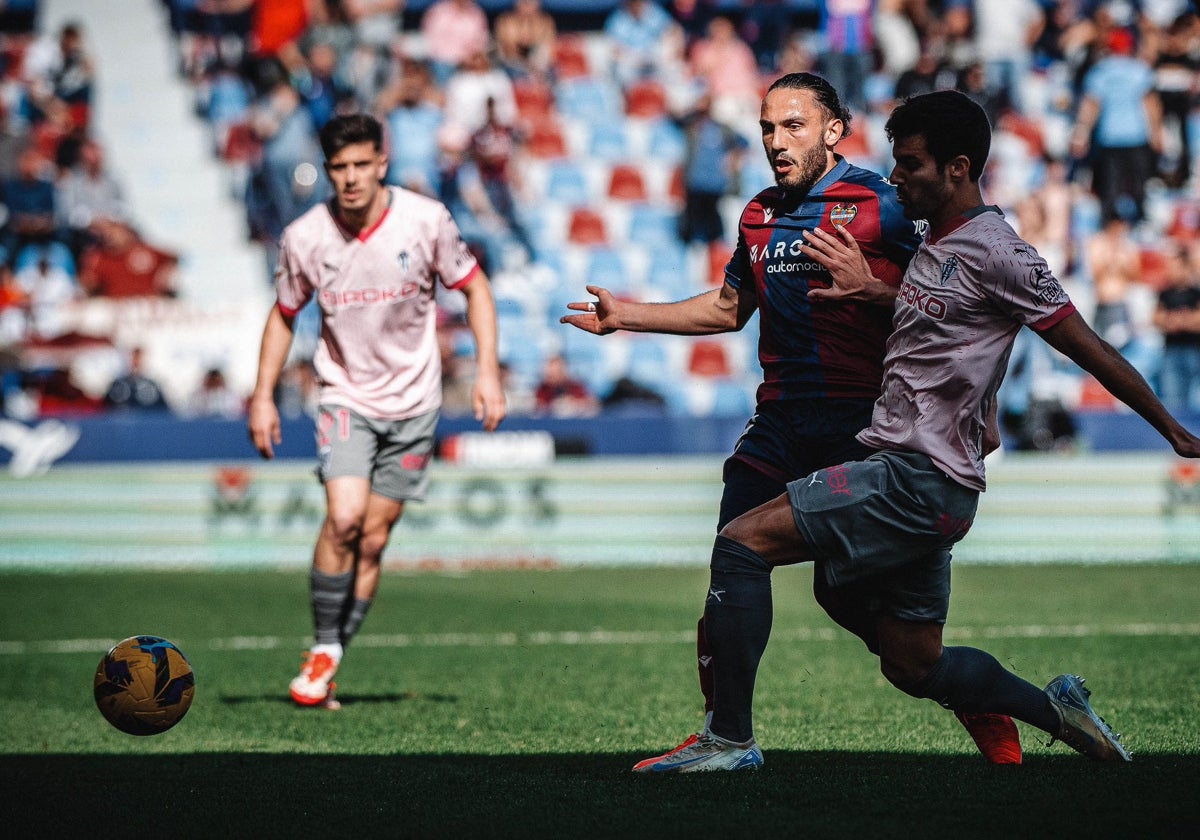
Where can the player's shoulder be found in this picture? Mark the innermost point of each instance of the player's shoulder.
(406, 203)
(764, 207)
(864, 181)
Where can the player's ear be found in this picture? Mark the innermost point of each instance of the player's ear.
(833, 132)
(959, 167)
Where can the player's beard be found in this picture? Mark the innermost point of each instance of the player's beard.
(805, 172)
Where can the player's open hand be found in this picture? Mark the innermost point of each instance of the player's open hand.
(852, 278)
(487, 398)
(265, 432)
(600, 315)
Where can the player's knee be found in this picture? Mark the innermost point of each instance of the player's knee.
(344, 528)
(372, 544)
(902, 673)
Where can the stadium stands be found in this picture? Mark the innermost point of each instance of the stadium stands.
(599, 184)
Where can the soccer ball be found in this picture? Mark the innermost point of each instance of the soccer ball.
(144, 685)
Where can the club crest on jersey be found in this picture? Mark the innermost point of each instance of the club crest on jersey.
(402, 258)
(843, 214)
(949, 269)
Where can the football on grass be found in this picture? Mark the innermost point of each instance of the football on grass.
(144, 685)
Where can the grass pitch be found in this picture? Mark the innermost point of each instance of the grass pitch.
(512, 704)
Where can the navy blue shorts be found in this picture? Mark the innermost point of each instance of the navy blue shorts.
(786, 440)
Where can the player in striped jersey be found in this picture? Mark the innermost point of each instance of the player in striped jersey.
(821, 349)
(881, 529)
(372, 258)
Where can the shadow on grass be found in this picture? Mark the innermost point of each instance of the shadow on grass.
(808, 794)
(344, 699)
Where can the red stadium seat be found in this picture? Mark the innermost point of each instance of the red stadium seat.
(535, 100)
(586, 227)
(718, 257)
(1152, 267)
(1094, 397)
(646, 98)
(546, 140)
(570, 57)
(708, 358)
(626, 183)
(675, 189)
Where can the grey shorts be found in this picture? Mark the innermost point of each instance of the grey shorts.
(393, 454)
(883, 528)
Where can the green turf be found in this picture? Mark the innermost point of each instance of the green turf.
(509, 704)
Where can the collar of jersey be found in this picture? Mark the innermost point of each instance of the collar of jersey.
(958, 221)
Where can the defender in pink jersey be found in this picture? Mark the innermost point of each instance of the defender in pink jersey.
(881, 529)
(371, 259)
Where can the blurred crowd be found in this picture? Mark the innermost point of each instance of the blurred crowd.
(615, 142)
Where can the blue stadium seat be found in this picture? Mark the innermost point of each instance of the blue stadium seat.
(731, 399)
(566, 182)
(667, 141)
(609, 141)
(589, 99)
(649, 362)
(608, 268)
(56, 254)
(654, 226)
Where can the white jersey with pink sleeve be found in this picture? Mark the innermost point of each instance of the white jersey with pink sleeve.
(970, 288)
(378, 352)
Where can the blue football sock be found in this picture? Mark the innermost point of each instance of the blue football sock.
(737, 622)
(970, 680)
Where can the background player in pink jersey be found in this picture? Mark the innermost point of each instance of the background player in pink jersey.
(372, 258)
(881, 529)
(821, 348)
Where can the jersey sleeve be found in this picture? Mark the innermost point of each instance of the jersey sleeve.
(1024, 287)
(739, 272)
(293, 287)
(456, 265)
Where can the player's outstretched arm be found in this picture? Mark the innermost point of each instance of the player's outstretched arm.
(264, 427)
(852, 277)
(717, 311)
(487, 394)
(1075, 339)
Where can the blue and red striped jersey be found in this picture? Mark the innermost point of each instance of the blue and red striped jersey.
(820, 349)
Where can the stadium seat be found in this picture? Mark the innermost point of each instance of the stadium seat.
(654, 226)
(607, 267)
(649, 362)
(625, 183)
(546, 140)
(731, 399)
(676, 191)
(566, 182)
(586, 227)
(708, 358)
(570, 57)
(1152, 263)
(667, 141)
(608, 141)
(670, 271)
(56, 254)
(535, 100)
(718, 257)
(646, 98)
(588, 99)
(1095, 397)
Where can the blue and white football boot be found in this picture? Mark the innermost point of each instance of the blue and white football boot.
(706, 752)
(1082, 729)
